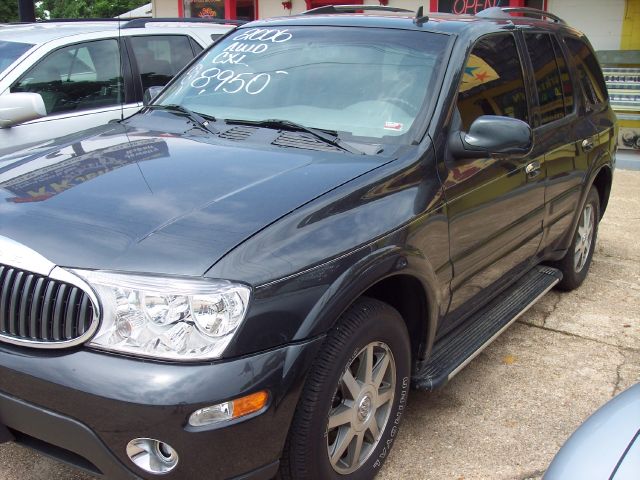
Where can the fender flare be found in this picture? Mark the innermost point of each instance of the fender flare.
(595, 171)
(378, 265)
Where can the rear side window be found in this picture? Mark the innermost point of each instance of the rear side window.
(567, 85)
(492, 82)
(589, 73)
(547, 76)
(160, 57)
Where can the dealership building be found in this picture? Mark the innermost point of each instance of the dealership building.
(609, 24)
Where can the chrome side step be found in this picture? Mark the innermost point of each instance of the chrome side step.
(453, 352)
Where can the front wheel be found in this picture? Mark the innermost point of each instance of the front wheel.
(575, 264)
(352, 403)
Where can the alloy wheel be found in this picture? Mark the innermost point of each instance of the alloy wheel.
(361, 407)
(584, 238)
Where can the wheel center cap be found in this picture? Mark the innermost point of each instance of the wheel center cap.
(364, 408)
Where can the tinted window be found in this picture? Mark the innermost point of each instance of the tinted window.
(547, 76)
(567, 85)
(160, 57)
(10, 51)
(492, 81)
(78, 77)
(589, 72)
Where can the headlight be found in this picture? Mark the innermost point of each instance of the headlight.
(168, 318)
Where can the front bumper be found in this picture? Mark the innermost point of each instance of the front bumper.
(83, 407)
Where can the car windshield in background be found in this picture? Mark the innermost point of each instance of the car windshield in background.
(359, 82)
(10, 52)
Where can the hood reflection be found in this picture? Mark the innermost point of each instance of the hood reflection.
(55, 173)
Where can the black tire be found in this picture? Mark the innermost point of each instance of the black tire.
(306, 454)
(572, 277)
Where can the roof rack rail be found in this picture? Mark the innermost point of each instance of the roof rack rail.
(352, 9)
(505, 12)
(141, 22)
(74, 20)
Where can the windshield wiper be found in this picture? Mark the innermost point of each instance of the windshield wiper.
(199, 119)
(330, 138)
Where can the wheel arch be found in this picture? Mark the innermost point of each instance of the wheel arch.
(601, 178)
(401, 278)
(405, 293)
(602, 182)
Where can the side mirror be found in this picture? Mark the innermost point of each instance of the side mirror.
(149, 94)
(16, 108)
(491, 134)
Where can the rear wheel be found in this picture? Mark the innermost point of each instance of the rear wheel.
(350, 410)
(575, 264)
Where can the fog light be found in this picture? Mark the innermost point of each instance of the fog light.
(152, 455)
(229, 410)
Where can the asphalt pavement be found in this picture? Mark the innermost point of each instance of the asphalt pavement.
(509, 411)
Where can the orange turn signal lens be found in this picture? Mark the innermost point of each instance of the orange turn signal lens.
(229, 410)
(249, 404)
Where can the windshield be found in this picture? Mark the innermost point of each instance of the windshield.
(360, 82)
(10, 52)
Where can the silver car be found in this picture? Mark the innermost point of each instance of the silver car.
(57, 78)
(606, 446)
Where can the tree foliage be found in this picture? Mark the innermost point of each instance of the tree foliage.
(8, 11)
(71, 8)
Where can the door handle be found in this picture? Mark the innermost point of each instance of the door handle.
(533, 169)
(587, 145)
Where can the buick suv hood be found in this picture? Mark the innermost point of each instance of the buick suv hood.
(131, 198)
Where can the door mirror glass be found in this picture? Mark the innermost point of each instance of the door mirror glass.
(16, 108)
(149, 94)
(492, 135)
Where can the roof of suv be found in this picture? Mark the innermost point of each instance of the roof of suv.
(433, 21)
(41, 32)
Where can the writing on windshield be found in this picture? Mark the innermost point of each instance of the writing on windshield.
(224, 75)
(363, 82)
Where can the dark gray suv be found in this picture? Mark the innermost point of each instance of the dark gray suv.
(319, 213)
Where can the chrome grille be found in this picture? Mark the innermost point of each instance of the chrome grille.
(37, 308)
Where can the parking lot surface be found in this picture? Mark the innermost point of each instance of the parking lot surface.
(507, 413)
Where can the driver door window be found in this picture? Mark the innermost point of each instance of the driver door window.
(78, 77)
(492, 82)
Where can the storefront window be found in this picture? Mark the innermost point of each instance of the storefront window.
(539, 4)
(229, 9)
(204, 8)
(471, 7)
(245, 9)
